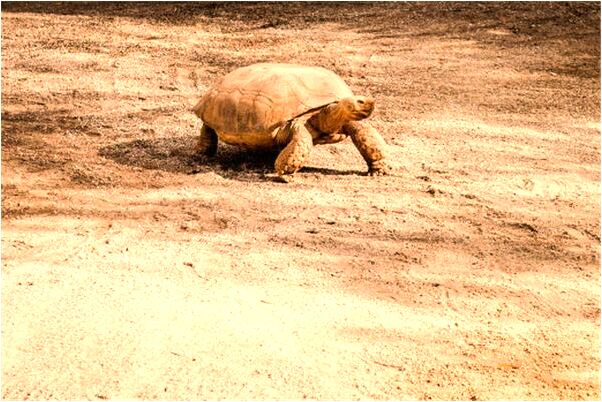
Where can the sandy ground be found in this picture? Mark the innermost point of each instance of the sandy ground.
(132, 268)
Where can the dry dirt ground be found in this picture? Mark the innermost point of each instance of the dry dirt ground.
(132, 268)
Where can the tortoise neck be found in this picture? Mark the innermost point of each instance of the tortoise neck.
(330, 119)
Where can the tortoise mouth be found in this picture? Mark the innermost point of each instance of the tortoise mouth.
(363, 114)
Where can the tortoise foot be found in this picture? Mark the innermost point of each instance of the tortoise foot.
(207, 143)
(286, 178)
(379, 168)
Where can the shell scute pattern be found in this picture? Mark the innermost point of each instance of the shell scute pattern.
(262, 97)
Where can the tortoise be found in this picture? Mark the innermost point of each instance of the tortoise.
(288, 108)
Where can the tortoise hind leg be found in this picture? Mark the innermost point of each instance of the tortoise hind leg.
(207, 144)
(294, 155)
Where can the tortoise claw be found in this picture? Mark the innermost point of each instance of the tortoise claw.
(285, 178)
(379, 168)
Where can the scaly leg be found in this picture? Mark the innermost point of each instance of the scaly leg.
(207, 144)
(371, 145)
(330, 139)
(294, 155)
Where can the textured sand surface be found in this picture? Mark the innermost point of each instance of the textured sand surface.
(133, 269)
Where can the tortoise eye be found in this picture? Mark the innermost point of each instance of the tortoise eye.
(361, 102)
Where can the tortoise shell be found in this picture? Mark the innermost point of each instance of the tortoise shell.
(262, 97)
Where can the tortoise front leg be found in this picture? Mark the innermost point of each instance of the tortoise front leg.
(371, 145)
(207, 144)
(294, 155)
(329, 139)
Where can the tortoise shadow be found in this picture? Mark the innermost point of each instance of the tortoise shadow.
(177, 155)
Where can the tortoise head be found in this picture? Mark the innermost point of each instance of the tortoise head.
(332, 117)
(357, 107)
